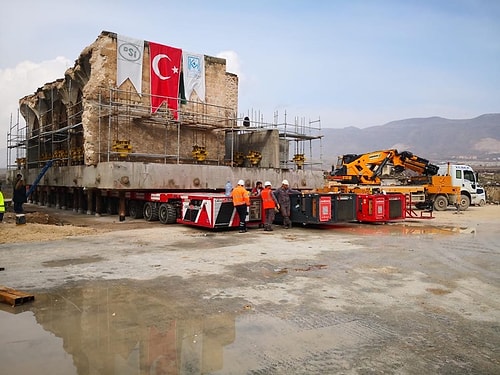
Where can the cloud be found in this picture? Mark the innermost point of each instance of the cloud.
(233, 64)
(23, 80)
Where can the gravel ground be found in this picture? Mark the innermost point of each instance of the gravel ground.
(421, 296)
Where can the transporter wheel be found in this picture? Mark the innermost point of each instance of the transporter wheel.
(135, 209)
(482, 203)
(167, 214)
(111, 206)
(464, 202)
(440, 203)
(150, 211)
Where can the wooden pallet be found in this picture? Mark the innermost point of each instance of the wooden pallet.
(14, 297)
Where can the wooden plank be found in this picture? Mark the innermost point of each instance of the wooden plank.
(14, 297)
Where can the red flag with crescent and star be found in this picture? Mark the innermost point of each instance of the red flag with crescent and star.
(165, 73)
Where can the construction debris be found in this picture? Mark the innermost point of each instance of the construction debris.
(14, 297)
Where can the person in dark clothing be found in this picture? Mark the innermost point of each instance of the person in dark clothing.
(19, 196)
(282, 195)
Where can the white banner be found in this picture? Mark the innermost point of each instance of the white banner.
(129, 54)
(193, 67)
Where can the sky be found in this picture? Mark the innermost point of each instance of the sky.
(344, 62)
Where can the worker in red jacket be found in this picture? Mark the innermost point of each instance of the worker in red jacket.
(241, 200)
(269, 204)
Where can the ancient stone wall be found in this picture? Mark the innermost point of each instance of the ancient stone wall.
(96, 121)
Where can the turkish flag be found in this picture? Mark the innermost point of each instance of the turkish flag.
(165, 73)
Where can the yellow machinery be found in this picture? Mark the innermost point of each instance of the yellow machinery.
(254, 157)
(363, 174)
(122, 147)
(299, 160)
(367, 168)
(239, 159)
(199, 153)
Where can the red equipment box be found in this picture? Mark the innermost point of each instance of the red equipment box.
(380, 208)
(214, 210)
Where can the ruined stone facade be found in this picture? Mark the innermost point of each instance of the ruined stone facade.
(86, 119)
(89, 142)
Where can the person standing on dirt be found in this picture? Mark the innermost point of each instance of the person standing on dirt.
(269, 204)
(19, 196)
(282, 195)
(241, 200)
(2, 205)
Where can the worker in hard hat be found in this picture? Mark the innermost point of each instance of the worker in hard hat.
(282, 195)
(269, 204)
(241, 200)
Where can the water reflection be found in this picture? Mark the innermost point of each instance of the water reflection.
(113, 328)
(403, 229)
(26, 348)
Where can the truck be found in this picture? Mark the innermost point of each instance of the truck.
(428, 185)
(216, 211)
(464, 177)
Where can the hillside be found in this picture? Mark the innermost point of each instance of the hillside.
(434, 138)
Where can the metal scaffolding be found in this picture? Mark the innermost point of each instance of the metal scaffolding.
(58, 132)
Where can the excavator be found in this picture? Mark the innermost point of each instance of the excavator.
(424, 185)
(367, 169)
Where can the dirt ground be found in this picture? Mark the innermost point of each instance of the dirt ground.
(111, 297)
(43, 224)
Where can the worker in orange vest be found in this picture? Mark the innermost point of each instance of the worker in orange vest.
(269, 204)
(241, 200)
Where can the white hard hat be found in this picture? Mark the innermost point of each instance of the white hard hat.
(241, 182)
(267, 183)
(285, 182)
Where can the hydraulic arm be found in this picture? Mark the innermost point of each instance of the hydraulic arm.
(367, 168)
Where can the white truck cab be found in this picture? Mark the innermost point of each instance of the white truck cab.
(464, 177)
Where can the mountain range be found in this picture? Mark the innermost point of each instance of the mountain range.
(435, 138)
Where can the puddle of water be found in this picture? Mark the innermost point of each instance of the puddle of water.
(403, 229)
(26, 348)
(113, 328)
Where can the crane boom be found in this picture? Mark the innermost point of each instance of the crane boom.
(367, 168)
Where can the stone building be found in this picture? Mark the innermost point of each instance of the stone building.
(86, 119)
(101, 138)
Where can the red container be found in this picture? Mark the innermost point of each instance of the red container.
(380, 208)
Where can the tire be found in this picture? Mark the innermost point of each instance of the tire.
(135, 209)
(111, 206)
(440, 203)
(464, 202)
(167, 214)
(150, 211)
(482, 203)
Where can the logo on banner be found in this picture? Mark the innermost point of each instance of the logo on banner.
(129, 52)
(194, 63)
